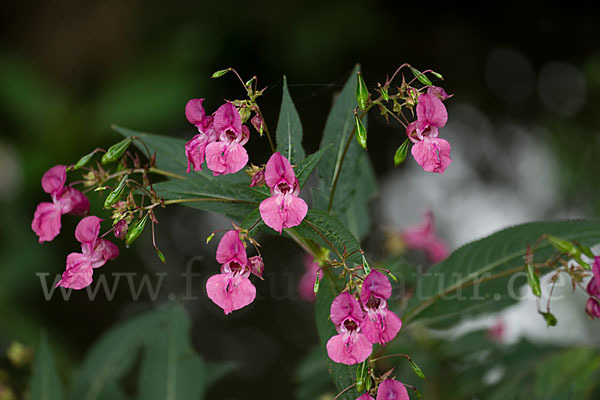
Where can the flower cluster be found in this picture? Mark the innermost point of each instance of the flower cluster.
(430, 152)
(232, 289)
(359, 325)
(65, 200)
(592, 307)
(95, 252)
(389, 389)
(220, 140)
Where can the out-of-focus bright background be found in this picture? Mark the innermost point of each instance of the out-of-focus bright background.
(523, 125)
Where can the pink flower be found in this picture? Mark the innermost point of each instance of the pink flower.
(95, 253)
(391, 389)
(592, 308)
(351, 346)
(227, 155)
(380, 325)
(195, 149)
(306, 286)
(284, 209)
(438, 92)
(365, 397)
(65, 200)
(257, 123)
(430, 152)
(231, 289)
(423, 237)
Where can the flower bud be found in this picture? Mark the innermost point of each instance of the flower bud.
(136, 230)
(416, 369)
(114, 196)
(362, 93)
(257, 266)
(564, 246)
(84, 160)
(257, 123)
(550, 318)
(121, 229)
(116, 151)
(361, 132)
(220, 73)
(362, 374)
(533, 280)
(421, 77)
(244, 114)
(401, 153)
(592, 308)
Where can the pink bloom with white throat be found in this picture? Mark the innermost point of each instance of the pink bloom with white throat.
(284, 209)
(95, 252)
(350, 346)
(65, 200)
(380, 324)
(195, 149)
(391, 389)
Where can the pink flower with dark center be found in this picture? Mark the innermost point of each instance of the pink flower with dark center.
(306, 286)
(430, 152)
(423, 237)
(380, 324)
(65, 200)
(284, 209)
(195, 149)
(231, 289)
(350, 346)
(95, 252)
(391, 389)
(227, 155)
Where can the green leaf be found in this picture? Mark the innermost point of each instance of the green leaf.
(357, 217)
(171, 369)
(45, 383)
(338, 127)
(306, 166)
(113, 355)
(170, 152)
(460, 286)
(289, 129)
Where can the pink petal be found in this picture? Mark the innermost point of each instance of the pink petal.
(438, 92)
(195, 150)
(194, 112)
(432, 154)
(257, 266)
(343, 306)
(423, 237)
(392, 390)
(283, 211)
(593, 288)
(436, 250)
(225, 158)
(380, 326)
(108, 250)
(230, 292)
(231, 248)
(376, 284)
(431, 111)
(279, 169)
(411, 132)
(78, 273)
(54, 179)
(349, 348)
(72, 201)
(592, 308)
(88, 229)
(46, 221)
(228, 121)
(365, 397)
(596, 267)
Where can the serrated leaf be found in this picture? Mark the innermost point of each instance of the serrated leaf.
(457, 287)
(306, 166)
(45, 383)
(289, 129)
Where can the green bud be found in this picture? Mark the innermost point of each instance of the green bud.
(550, 318)
(401, 153)
(437, 75)
(220, 73)
(369, 383)
(416, 369)
(362, 375)
(393, 277)
(564, 246)
(250, 81)
(317, 283)
(114, 196)
(384, 93)
(366, 266)
(84, 160)
(361, 132)
(161, 255)
(533, 280)
(116, 151)
(421, 77)
(245, 114)
(210, 237)
(585, 250)
(136, 230)
(362, 93)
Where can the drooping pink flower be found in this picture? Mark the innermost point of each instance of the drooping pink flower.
(592, 308)
(65, 200)
(306, 286)
(95, 252)
(439, 92)
(423, 237)
(350, 346)
(231, 289)
(430, 152)
(380, 324)
(391, 389)
(365, 396)
(497, 331)
(284, 209)
(257, 123)
(195, 149)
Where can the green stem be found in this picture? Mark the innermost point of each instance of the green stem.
(142, 170)
(208, 199)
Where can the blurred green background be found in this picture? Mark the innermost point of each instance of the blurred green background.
(69, 69)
